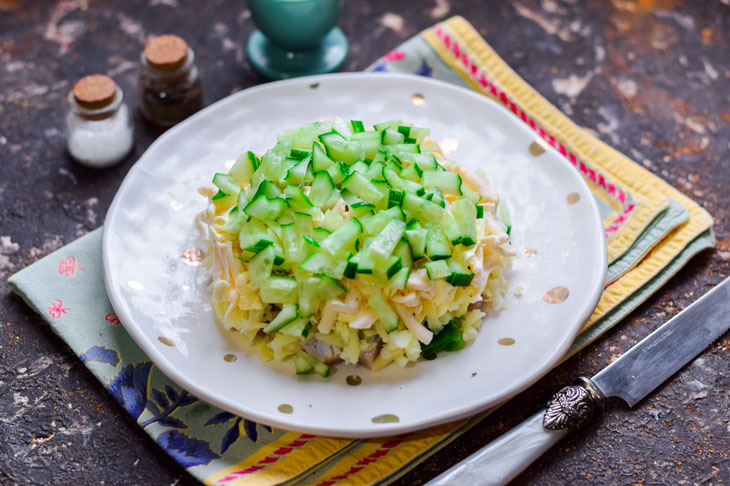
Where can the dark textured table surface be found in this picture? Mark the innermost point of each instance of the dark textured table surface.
(650, 77)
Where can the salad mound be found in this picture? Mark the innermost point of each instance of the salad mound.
(355, 244)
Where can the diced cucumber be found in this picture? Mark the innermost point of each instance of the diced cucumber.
(394, 265)
(405, 185)
(339, 148)
(503, 215)
(413, 148)
(400, 279)
(260, 266)
(437, 270)
(437, 246)
(299, 154)
(255, 236)
(338, 172)
(320, 234)
(302, 137)
(395, 197)
(447, 182)
(226, 184)
(279, 290)
(474, 197)
(318, 262)
(403, 251)
(360, 185)
(380, 156)
(451, 229)
(390, 123)
(390, 136)
(386, 240)
(329, 288)
(244, 168)
(459, 276)
(321, 188)
(480, 212)
(351, 266)
(417, 240)
(381, 186)
(434, 195)
(343, 237)
(295, 175)
(320, 160)
(387, 316)
(310, 244)
(263, 208)
(465, 214)
(298, 327)
(303, 363)
(268, 189)
(425, 162)
(412, 173)
(370, 142)
(356, 126)
(421, 209)
(375, 170)
(322, 369)
(360, 209)
(364, 263)
(332, 200)
(307, 295)
(394, 164)
(272, 162)
(287, 314)
(294, 248)
(359, 166)
(296, 199)
(375, 223)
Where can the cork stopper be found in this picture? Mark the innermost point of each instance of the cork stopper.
(166, 52)
(95, 91)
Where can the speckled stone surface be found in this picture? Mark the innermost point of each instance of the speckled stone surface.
(651, 77)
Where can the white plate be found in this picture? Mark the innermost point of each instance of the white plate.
(156, 294)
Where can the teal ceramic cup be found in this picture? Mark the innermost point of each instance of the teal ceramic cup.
(296, 37)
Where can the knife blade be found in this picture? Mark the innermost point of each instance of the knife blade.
(631, 378)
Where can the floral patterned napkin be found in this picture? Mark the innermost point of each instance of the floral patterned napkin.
(652, 230)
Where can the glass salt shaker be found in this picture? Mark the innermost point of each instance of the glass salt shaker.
(169, 82)
(99, 128)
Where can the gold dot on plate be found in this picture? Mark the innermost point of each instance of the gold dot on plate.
(165, 341)
(538, 147)
(228, 164)
(573, 198)
(286, 408)
(506, 341)
(176, 206)
(556, 295)
(353, 380)
(193, 257)
(230, 358)
(386, 418)
(529, 252)
(133, 284)
(448, 146)
(418, 99)
(314, 85)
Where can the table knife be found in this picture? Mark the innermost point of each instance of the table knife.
(631, 377)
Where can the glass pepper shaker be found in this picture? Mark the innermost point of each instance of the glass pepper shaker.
(99, 128)
(169, 82)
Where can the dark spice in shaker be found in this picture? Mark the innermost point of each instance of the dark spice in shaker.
(169, 81)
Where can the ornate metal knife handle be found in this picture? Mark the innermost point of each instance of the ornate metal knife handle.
(573, 406)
